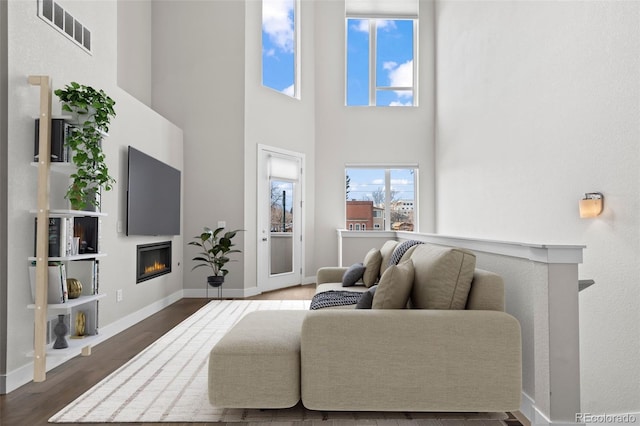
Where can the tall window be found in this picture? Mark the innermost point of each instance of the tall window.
(381, 198)
(381, 52)
(279, 46)
(380, 62)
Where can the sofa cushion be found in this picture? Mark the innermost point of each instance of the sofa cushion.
(386, 251)
(394, 287)
(366, 300)
(352, 274)
(443, 277)
(372, 267)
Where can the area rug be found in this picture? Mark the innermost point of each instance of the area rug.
(167, 382)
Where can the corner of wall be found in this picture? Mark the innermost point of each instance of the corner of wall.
(3, 193)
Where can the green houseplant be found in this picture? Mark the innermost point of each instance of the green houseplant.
(216, 249)
(92, 110)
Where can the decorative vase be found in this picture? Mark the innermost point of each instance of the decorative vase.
(60, 330)
(81, 321)
(215, 280)
(74, 287)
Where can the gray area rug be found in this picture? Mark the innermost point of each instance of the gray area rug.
(167, 382)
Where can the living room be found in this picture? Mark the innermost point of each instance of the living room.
(523, 107)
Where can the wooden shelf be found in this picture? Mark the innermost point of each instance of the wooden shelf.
(85, 256)
(76, 347)
(62, 167)
(71, 213)
(72, 303)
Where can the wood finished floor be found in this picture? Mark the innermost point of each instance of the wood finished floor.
(34, 403)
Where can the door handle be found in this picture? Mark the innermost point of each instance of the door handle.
(264, 239)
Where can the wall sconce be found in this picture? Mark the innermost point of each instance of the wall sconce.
(592, 204)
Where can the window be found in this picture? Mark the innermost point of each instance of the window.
(374, 194)
(380, 62)
(381, 52)
(279, 46)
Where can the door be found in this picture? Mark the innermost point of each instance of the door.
(280, 218)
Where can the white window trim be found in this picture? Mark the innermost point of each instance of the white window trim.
(387, 181)
(297, 90)
(373, 33)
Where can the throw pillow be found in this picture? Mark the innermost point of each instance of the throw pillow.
(366, 300)
(443, 277)
(372, 262)
(386, 251)
(352, 274)
(394, 287)
(401, 249)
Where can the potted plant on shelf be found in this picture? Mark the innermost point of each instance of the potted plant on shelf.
(215, 252)
(92, 111)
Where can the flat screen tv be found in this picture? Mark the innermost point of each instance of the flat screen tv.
(153, 196)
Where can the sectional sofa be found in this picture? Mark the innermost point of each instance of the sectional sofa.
(436, 338)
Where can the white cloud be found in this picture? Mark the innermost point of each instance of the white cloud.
(389, 66)
(277, 22)
(361, 25)
(386, 25)
(378, 181)
(400, 103)
(290, 91)
(400, 75)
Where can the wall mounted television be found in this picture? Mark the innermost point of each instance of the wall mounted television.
(153, 196)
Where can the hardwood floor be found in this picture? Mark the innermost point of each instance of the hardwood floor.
(34, 403)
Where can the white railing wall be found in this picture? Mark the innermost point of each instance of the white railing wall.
(541, 291)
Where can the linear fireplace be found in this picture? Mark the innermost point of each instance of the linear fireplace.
(153, 260)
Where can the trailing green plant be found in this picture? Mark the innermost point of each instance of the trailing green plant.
(215, 249)
(94, 110)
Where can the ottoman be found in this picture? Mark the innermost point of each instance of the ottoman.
(257, 363)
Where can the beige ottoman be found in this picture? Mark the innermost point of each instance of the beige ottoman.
(257, 363)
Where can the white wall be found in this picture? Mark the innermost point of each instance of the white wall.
(365, 135)
(277, 120)
(134, 48)
(35, 48)
(538, 102)
(198, 83)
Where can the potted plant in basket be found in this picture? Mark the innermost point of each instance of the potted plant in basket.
(215, 253)
(92, 111)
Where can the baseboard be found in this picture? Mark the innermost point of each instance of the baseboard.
(535, 417)
(227, 293)
(24, 374)
(135, 317)
(309, 280)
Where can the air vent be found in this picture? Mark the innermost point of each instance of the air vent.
(63, 21)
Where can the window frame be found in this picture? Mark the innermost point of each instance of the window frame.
(373, 34)
(297, 92)
(387, 188)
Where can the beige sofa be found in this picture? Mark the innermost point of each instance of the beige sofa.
(454, 350)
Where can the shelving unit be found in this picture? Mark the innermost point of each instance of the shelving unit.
(86, 264)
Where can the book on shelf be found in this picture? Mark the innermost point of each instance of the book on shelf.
(57, 291)
(60, 130)
(61, 233)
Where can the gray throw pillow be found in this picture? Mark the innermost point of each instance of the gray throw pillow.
(352, 274)
(366, 300)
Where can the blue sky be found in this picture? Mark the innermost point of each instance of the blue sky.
(394, 61)
(278, 45)
(394, 64)
(364, 181)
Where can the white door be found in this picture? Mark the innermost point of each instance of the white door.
(280, 218)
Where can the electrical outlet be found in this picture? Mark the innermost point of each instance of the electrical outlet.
(222, 224)
(119, 295)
